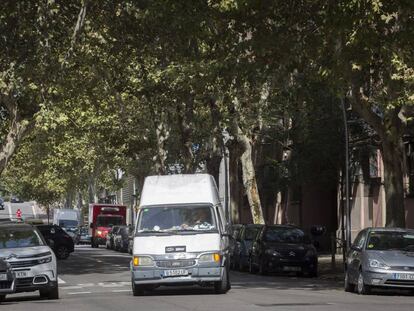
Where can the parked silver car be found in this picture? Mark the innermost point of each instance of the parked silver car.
(381, 257)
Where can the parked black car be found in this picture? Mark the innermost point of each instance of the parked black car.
(84, 236)
(7, 279)
(110, 243)
(121, 239)
(58, 240)
(243, 245)
(280, 248)
(235, 232)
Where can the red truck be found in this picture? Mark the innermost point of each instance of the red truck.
(102, 217)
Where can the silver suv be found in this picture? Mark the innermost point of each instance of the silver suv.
(32, 261)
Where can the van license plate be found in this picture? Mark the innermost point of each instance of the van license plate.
(21, 274)
(178, 272)
(404, 276)
(3, 277)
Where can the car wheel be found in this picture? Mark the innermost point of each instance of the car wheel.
(262, 268)
(223, 286)
(2, 298)
(62, 252)
(313, 273)
(362, 288)
(137, 290)
(252, 269)
(347, 285)
(51, 294)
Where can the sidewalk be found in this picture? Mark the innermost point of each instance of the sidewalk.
(327, 271)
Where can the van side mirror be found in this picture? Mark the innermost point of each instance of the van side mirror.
(91, 226)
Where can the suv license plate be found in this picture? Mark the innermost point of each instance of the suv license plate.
(404, 276)
(3, 277)
(21, 274)
(289, 268)
(178, 272)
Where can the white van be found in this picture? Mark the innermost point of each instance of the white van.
(181, 234)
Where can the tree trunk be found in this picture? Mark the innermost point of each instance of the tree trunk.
(392, 154)
(18, 129)
(249, 178)
(162, 134)
(185, 116)
(235, 201)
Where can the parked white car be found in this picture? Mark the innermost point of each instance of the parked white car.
(181, 235)
(32, 260)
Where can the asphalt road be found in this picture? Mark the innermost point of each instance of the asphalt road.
(98, 279)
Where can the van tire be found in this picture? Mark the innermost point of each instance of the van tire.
(223, 286)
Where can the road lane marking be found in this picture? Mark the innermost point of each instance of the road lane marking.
(71, 287)
(121, 290)
(87, 285)
(10, 211)
(79, 293)
(60, 281)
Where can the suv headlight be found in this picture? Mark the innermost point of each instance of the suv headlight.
(374, 263)
(44, 260)
(213, 257)
(272, 252)
(143, 261)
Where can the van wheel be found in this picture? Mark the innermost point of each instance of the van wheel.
(223, 286)
(62, 252)
(137, 290)
(51, 294)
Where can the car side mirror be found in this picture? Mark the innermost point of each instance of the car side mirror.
(318, 230)
(356, 248)
(51, 243)
(91, 226)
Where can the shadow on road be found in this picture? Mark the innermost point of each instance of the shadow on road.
(94, 261)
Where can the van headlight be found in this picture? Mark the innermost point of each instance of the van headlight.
(213, 257)
(44, 260)
(374, 263)
(143, 261)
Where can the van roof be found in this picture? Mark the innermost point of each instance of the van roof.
(179, 189)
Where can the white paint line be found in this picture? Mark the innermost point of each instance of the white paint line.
(60, 281)
(112, 284)
(71, 287)
(10, 211)
(121, 290)
(34, 211)
(79, 293)
(114, 255)
(86, 285)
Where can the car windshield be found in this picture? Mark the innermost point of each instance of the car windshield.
(391, 240)
(176, 218)
(16, 238)
(108, 221)
(66, 223)
(251, 233)
(284, 235)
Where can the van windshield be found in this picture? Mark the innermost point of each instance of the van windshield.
(177, 218)
(108, 221)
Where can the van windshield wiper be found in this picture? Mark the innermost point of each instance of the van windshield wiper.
(154, 231)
